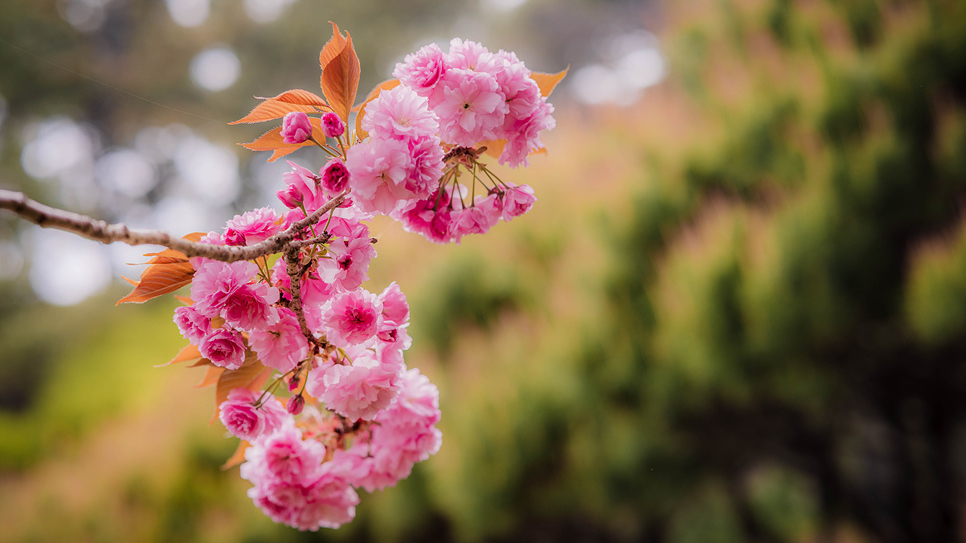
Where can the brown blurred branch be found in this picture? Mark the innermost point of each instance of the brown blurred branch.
(98, 230)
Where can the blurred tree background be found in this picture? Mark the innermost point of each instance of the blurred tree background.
(736, 313)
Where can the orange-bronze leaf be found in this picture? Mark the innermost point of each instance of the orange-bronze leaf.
(167, 271)
(238, 457)
(340, 78)
(547, 82)
(332, 48)
(272, 141)
(251, 375)
(277, 106)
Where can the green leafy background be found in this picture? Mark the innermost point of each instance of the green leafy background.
(736, 313)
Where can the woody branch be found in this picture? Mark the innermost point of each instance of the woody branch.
(98, 230)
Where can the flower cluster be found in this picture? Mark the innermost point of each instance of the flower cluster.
(424, 131)
(310, 363)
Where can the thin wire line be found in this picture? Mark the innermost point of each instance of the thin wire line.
(108, 85)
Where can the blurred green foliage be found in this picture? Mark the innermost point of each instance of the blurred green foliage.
(780, 356)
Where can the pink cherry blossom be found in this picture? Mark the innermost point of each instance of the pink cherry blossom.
(517, 201)
(471, 220)
(421, 70)
(224, 347)
(330, 503)
(395, 309)
(399, 113)
(417, 404)
(348, 262)
(374, 467)
(306, 183)
(393, 340)
(233, 237)
(281, 345)
(326, 502)
(296, 127)
(284, 456)
(257, 225)
(290, 197)
(351, 318)
(295, 404)
(354, 391)
(426, 166)
(470, 107)
(405, 433)
(245, 421)
(214, 283)
(335, 176)
(192, 324)
(470, 55)
(491, 206)
(332, 125)
(430, 217)
(524, 136)
(250, 307)
(521, 91)
(377, 174)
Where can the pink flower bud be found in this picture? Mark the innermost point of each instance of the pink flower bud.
(296, 127)
(335, 176)
(332, 125)
(291, 196)
(295, 405)
(294, 383)
(517, 201)
(234, 237)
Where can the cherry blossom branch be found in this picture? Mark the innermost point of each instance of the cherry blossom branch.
(104, 232)
(293, 267)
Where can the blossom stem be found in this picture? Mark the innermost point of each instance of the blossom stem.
(324, 147)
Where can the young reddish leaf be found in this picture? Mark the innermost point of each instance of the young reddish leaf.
(332, 48)
(238, 457)
(190, 353)
(251, 375)
(340, 78)
(361, 108)
(547, 82)
(277, 106)
(272, 141)
(212, 375)
(167, 271)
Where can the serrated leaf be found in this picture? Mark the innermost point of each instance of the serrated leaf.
(332, 48)
(167, 271)
(251, 375)
(272, 141)
(361, 108)
(277, 106)
(340, 76)
(238, 457)
(547, 82)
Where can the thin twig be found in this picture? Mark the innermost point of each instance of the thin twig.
(98, 230)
